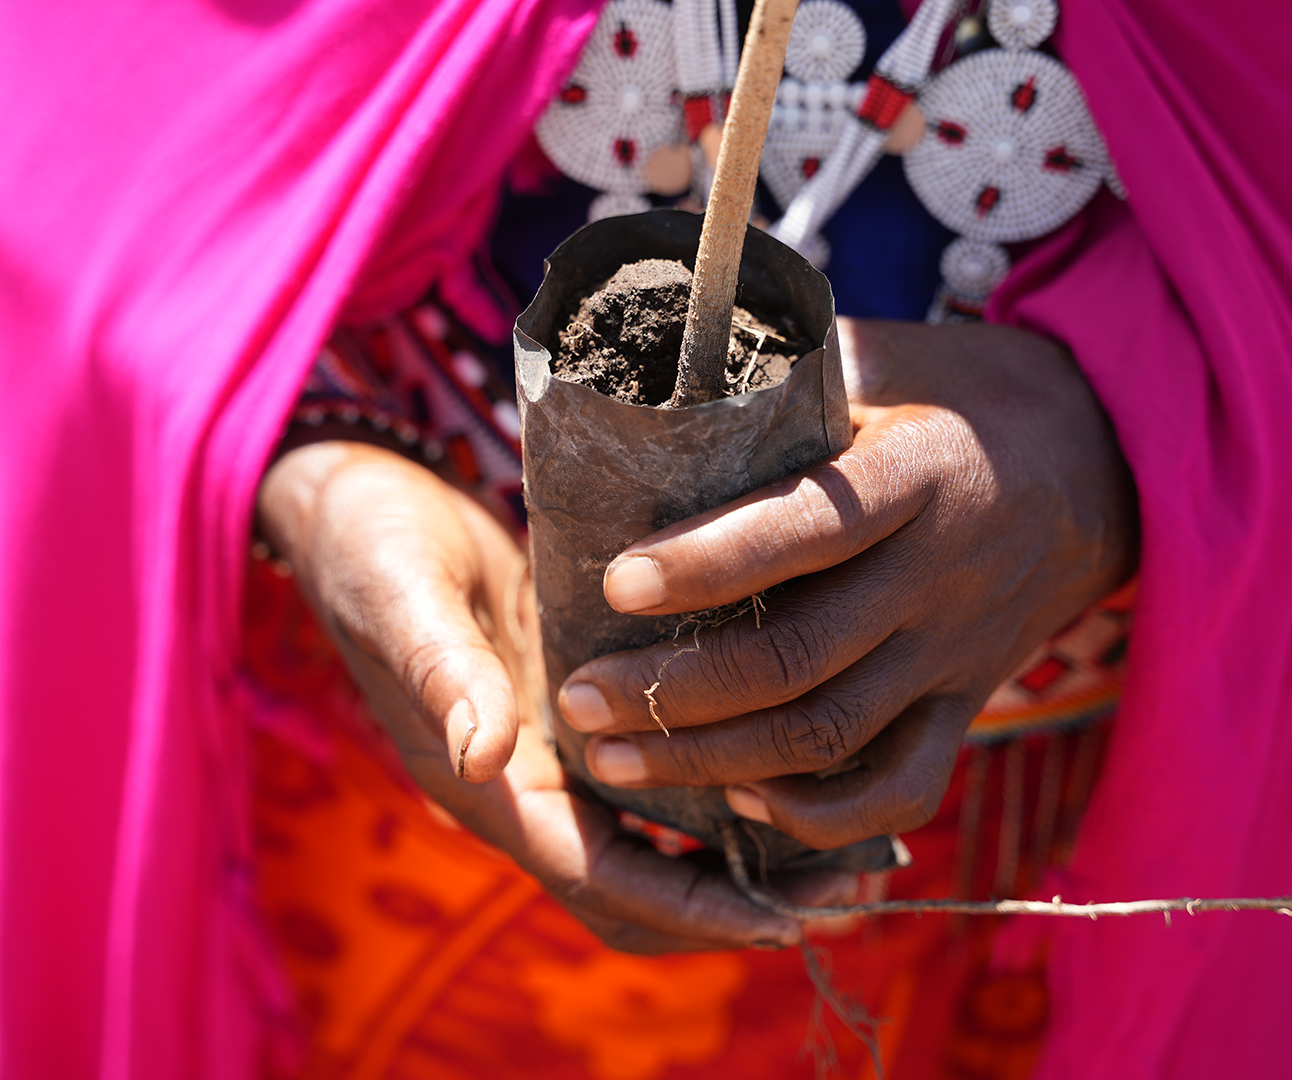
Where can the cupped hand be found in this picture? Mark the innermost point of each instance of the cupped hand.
(420, 589)
(983, 504)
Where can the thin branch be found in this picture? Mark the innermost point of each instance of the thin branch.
(1191, 905)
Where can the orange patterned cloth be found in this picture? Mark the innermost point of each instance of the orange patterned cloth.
(415, 950)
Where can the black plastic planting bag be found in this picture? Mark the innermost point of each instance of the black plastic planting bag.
(600, 474)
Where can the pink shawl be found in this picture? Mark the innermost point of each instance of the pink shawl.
(1179, 309)
(189, 193)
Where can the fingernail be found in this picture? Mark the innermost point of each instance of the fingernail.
(749, 804)
(617, 761)
(634, 584)
(459, 728)
(584, 707)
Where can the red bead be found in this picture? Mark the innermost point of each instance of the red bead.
(988, 197)
(1024, 95)
(883, 103)
(698, 113)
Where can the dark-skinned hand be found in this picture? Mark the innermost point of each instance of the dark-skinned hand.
(420, 589)
(983, 504)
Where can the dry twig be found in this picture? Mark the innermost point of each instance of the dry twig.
(1191, 905)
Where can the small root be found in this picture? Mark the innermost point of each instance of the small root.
(762, 335)
(850, 1013)
(659, 677)
(954, 906)
(701, 622)
(749, 365)
(650, 697)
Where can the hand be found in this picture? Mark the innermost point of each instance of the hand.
(418, 586)
(983, 504)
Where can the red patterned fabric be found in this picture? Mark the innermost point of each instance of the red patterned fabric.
(416, 951)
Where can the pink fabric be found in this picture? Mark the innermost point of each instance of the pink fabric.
(189, 193)
(1179, 309)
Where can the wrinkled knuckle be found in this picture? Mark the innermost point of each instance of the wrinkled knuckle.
(756, 667)
(419, 667)
(780, 739)
(728, 671)
(839, 515)
(819, 736)
(789, 645)
(788, 652)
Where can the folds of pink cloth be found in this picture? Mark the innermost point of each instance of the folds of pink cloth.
(191, 196)
(1178, 306)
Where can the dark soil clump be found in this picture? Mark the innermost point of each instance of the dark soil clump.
(625, 338)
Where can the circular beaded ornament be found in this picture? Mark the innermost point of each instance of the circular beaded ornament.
(972, 268)
(618, 107)
(814, 103)
(878, 106)
(1021, 24)
(827, 42)
(807, 122)
(1010, 151)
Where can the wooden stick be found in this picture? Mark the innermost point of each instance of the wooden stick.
(701, 372)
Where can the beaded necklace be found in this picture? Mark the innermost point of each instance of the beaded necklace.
(999, 145)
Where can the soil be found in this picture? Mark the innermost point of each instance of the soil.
(624, 339)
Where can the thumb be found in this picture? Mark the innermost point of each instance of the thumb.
(406, 564)
(461, 687)
(802, 524)
(435, 637)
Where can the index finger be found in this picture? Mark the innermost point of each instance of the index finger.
(804, 523)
